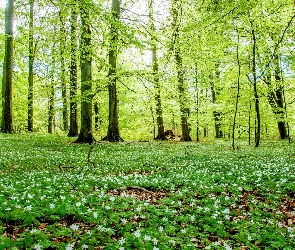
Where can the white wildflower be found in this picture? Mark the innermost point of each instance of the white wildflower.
(137, 234)
(74, 227)
(38, 247)
(122, 241)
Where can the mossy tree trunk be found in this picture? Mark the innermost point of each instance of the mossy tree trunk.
(276, 98)
(85, 135)
(184, 111)
(7, 119)
(155, 65)
(113, 134)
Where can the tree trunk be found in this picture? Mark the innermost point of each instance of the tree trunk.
(184, 111)
(97, 121)
(7, 125)
(256, 97)
(62, 42)
(238, 91)
(216, 114)
(86, 135)
(197, 104)
(113, 134)
(280, 112)
(51, 111)
(157, 87)
(31, 69)
(73, 132)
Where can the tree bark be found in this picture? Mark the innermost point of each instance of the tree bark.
(276, 99)
(216, 114)
(7, 118)
(31, 69)
(97, 121)
(113, 134)
(73, 132)
(86, 135)
(51, 111)
(256, 97)
(197, 103)
(238, 90)
(157, 87)
(62, 42)
(184, 111)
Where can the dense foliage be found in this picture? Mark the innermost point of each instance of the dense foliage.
(216, 40)
(145, 195)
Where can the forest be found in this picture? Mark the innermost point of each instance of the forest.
(147, 124)
(132, 70)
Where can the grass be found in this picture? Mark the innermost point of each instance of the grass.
(145, 195)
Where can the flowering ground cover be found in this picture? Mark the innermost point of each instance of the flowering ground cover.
(145, 195)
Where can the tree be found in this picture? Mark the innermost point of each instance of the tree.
(155, 65)
(113, 134)
(31, 69)
(73, 131)
(184, 111)
(216, 114)
(256, 97)
(51, 111)
(7, 119)
(238, 89)
(85, 135)
(62, 42)
(276, 97)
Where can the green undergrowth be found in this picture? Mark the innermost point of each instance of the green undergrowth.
(145, 195)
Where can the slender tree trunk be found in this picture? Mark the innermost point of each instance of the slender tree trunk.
(280, 99)
(184, 111)
(51, 111)
(256, 97)
(31, 69)
(97, 121)
(160, 123)
(73, 132)
(86, 135)
(62, 42)
(7, 120)
(216, 114)
(197, 105)
(238, 92)
(113, 134)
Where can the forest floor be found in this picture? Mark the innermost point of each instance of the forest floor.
(145, 195)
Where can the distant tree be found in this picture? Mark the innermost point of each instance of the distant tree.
(7, 119)
(214, 93)
(51, 101)
(62, 44)
(73, 131)
(255, 91)
(31, 69)
(85, 135)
